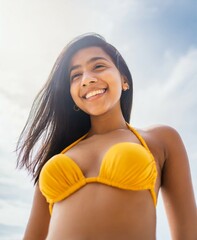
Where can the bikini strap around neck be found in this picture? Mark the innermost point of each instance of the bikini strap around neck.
(74, 143)
(141, 139)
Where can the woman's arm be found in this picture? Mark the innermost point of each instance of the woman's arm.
(37, 227)
(177, 188)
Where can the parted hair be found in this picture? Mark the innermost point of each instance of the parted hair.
(53, 124)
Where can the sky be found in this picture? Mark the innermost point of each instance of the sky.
(158, 40)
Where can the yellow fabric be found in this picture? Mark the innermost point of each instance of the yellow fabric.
(126, 165)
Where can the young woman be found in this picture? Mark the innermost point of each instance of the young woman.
(96, 176)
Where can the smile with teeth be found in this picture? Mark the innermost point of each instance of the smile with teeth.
(94, 93)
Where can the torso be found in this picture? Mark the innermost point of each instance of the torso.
(97, 211)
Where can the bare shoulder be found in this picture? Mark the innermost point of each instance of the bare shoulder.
(161, 131)
(162, 141)
(163, 134)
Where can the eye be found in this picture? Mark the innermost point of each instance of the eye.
(99, 66)
(75, 76)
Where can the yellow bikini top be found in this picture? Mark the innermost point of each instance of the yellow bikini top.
(126, 165)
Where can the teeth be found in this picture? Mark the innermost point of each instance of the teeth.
(94, 93)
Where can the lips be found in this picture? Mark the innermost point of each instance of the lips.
(94, 93)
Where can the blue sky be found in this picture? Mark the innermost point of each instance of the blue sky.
(158, 39)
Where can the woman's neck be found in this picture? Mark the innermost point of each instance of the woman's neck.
(107, 123)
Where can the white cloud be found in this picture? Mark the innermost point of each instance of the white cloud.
(176, 93)
(185, 70)
(179, 93)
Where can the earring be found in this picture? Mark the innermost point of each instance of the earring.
(125, 86)
(76, 109)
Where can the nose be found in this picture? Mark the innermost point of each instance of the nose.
(87, 80)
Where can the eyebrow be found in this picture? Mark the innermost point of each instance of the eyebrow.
(88, 62)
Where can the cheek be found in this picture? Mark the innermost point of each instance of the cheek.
(116, 87)
(75, 95)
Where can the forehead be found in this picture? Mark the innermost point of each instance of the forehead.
(85, 54)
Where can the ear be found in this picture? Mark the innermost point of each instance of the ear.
(125, 84)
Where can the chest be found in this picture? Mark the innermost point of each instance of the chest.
(89, 154)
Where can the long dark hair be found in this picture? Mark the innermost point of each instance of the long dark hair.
(53, 124)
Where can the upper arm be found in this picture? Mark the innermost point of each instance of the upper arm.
(37, 227)
(177, 190)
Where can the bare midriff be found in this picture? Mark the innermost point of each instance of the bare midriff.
(100, 212)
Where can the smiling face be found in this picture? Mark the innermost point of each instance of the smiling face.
(96, 83)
